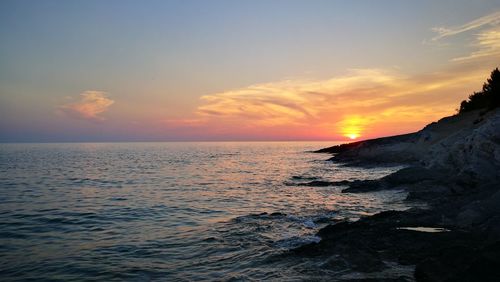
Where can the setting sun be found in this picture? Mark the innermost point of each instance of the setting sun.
(351, 126)
(352, 136)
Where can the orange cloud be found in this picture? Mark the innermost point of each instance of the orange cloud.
(357, 104)
(90, 106)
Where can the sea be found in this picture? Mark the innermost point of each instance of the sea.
(187, 211)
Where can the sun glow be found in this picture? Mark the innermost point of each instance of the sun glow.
(352, 126)
(352, 136)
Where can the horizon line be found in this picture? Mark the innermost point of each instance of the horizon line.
(173, 141)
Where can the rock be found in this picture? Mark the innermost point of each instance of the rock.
(457, 144)
(427, 191)
(468, 218)
(491, 205)
(454, 168)
(471, 153)
(403, 178)
(412, 175)
(363, 260)
(364, 186)
(491, 228)
(386, 150)
(461, 263)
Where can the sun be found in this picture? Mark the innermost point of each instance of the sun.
(352, 136)
(352, 126)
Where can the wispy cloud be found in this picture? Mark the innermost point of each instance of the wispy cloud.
(485, 39)
(487, 46)
(89, 107)
(488, 20)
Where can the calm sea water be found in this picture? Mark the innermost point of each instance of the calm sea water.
(170, 211)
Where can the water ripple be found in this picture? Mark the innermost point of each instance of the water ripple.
(169, 211)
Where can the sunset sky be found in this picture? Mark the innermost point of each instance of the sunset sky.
(238, 70)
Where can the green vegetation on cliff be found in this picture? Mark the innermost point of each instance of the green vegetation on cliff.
(488, 98)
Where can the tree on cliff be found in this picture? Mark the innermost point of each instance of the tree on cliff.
(489, 98)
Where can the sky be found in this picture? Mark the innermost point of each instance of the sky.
(261, 70)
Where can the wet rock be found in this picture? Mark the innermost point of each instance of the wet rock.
(491, 228)
(469, 217)
(386, 150)
(364, 260)
(491, 205)
(364, 245)
(401, 179)
(412, 175)
(461, 263)
(359, 186)
(426, 191)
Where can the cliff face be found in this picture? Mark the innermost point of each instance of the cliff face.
(454, 167)
(470, 150)
(465, 145)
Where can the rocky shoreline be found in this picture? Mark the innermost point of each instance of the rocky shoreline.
(453, 165)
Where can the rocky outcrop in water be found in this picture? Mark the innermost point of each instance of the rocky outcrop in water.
(465, 146)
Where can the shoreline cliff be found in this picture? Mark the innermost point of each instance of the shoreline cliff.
(453, 166)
